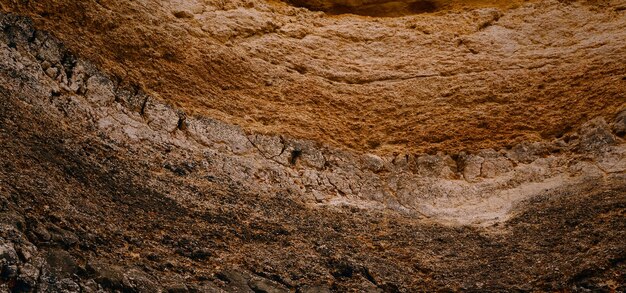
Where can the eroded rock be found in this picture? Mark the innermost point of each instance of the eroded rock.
(113, 161)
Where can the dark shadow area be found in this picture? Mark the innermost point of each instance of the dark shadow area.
(374, 8)
(423, 6)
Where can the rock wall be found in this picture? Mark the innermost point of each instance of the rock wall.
(468, 77)
(467, 188)
(185, 192)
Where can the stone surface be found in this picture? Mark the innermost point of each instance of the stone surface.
(106, 187)
(436, 75)
(619, 126)
(373, 162)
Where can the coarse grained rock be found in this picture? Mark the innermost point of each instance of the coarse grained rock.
(118, 190)
(460, 75)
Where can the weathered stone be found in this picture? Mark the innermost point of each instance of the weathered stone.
(13, 219)
(236, 280)
(131, 98)
(495, 166)
(527, 152)
(160, 116)
(401, 160)
(61, 263)
(436, 166)
(270, 146)
(42, 233)
(373, 162)
(52, 72)
(264, 285)
(214, 133)
(619, 126)
(108, 276)
(613, 160)
(100, 90)
(64, 237)
(472, 167)
(102, 166)
(49, 49)
(596, 136)
(8, 260)
(314, 289)
(312, 156)
(66, 286)
(177, 287)
(139, 281)
(28, 274)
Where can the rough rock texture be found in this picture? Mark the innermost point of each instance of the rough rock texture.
(107, 185)
(485, 74)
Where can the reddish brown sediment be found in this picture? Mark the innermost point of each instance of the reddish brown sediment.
(462, 78)
(364, 146)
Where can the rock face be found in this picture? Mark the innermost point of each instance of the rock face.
(473, 75)
(139, 182)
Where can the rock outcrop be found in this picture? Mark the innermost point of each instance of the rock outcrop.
(473, 75)
(133, 183)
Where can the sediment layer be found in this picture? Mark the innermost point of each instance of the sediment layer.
(463, 78)
(106, 187)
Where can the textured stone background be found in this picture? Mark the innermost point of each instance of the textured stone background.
(469, 77)
(120, 170)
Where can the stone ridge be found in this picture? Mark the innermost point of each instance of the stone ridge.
(479, 188)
